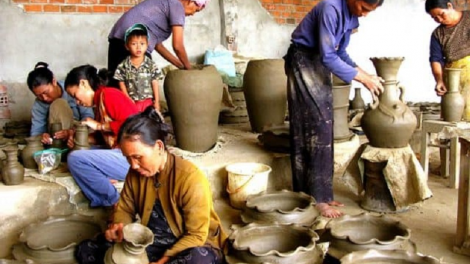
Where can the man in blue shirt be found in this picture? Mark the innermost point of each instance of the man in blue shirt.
(318, 48)
(52, 105)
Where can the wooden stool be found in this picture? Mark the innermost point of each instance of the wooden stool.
(462, 240)
(450, 162)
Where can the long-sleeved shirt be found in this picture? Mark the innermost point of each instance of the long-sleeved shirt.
(40, 112)
(158, 15)
(327, 29)
(186, 199)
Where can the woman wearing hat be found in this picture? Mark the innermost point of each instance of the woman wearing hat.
(162, 19)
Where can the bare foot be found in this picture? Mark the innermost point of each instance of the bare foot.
(335, 203)
(327, 211)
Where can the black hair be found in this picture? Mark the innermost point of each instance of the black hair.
(41, 75)
(136, 33)
(431, 4)
(373, 2)
(148, 127)
(87, 72)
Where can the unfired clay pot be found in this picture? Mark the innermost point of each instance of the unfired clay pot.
(341, 130)
(274, 243)
(389, 122)
(132, 250)
(373, 256)
(348, 233)
(265, 89)
(56, 143)
(12, 171)
(452, 103)
(283, 207)
(33, 145)
(194, 97)
(357, 102)
(387, 67)
(80, 138)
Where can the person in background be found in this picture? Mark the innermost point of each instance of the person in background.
(163, 18)
(96, 170)
(450, 46)
(318, 49)
(171, 196)
(52, 105)
(138, 75)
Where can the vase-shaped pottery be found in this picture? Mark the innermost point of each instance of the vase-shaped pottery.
(56, 143)
(264, 87)
(80, 138)
(341, 130)
(194, 98)
(131, 250)
(33, 144)
(350, 233)
(387, 67)
(373, 256)
(12, 171)
(452, 103)
(389, 122)
(357, 102)
(274, 243)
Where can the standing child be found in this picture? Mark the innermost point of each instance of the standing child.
(137, 74)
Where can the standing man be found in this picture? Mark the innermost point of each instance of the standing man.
(318, 48)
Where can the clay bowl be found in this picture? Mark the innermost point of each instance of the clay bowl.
(274, 243)
(55, 239)
(347, 234)
(373, 256)
(284, 207)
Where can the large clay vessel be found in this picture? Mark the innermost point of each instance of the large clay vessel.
(357, 102)
(194, 97)
(132, 250)
(33, 144)
(12, 171)
(265, 90)
(56, 143)
(80, 139)
(387, 67)
(389, 122)
(452, 103)
(341, 130)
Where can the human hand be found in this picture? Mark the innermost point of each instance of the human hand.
(46, 139)
(91, 123)
(114, 232)
(440, 89)
(62, 134)
(70, 142)
(374, 84)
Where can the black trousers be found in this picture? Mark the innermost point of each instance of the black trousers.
(310, 103)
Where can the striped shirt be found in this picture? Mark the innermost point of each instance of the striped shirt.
(158, 15)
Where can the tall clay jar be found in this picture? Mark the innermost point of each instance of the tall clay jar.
(387, 67)
(357, 102)
(341, 130)
(33, 144)
(12, 171)
(265, 90)
(56, 143)
(194, 97)
(389, 122)
(452, 103)
(80, 138)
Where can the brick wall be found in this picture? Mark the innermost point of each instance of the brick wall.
(76, 6)
(288, 11)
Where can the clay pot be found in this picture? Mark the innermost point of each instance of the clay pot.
(348, 234)
(373, 256)
(132, 250)
(357, 102)
(33, 144)
(452, 103)
(265, 89)
(54, 240)
(341, 130)
(274, 243)
(389, 122)
(387, 67)
(12, 171)
(56, 143)
(80, 138)
(194, 98)
(283, 207)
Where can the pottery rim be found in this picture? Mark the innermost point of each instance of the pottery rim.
(252, 199)
(138, 235)
(373, 254)
(363, 217)
(387, 58)
(237, 230)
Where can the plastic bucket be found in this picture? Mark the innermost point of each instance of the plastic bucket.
(246, 179)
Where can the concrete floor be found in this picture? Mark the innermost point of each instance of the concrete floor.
(432, 224)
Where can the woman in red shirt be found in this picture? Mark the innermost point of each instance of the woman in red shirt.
(96, 170)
